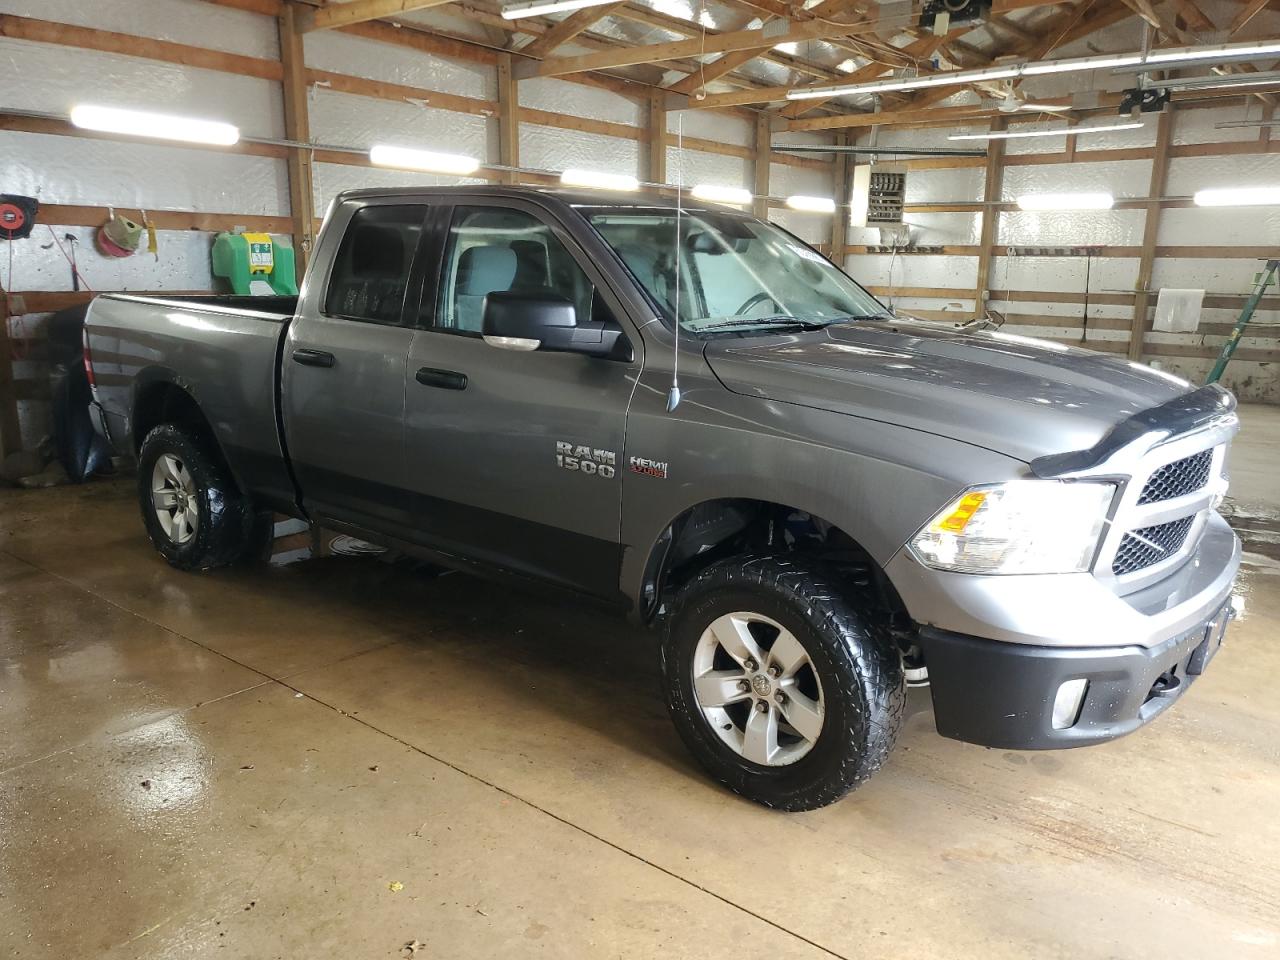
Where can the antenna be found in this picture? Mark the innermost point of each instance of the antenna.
(673, 395)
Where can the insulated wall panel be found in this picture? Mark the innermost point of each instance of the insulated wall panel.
(579, 100)
(70, 170)
(884, 270)
(352, 121)
(692, 167)
(343, 53)
(52, 79)
(551, 148)
(179, 21)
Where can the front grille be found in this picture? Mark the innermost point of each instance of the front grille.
(1142, 548)
(1178, 479)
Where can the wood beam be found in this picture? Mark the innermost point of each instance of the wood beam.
(508, 118)
(841, 191)
(358, 11)
(1151, 230)
(656, 169)
(993, 185)
(297, 127)
(1247, 13)
(727, 63)
(760, 160)
(697, 46)
(568, 28)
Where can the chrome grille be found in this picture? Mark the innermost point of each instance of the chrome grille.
(1149, 545)
(1178, 479)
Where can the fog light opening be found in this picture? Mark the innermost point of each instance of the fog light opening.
(1067, 704)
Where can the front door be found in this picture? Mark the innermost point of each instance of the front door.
(514, 458)
(344, 374)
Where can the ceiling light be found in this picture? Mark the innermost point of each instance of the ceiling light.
(1238, 197)
(601, 181)
(537, 7)
(1220, 53)
(812, 204)
(906, 83)
(1077, 64)
(410, 159)
(137, 123)
(1056, 132)
(1066, 201)
(713, 193)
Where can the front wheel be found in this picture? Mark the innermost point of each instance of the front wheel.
(781, 687)
(195, 514)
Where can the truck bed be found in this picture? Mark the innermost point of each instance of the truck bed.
(223, 352)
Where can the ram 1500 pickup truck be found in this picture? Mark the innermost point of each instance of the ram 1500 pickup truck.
(687, 414)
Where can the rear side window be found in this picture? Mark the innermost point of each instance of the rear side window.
(371, 272)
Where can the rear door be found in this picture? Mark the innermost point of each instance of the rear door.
(514, 458)
(344, 371)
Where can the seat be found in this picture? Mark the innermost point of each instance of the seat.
(481, 271)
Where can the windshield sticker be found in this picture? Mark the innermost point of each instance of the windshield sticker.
(807, 254)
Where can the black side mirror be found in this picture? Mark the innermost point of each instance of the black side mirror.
(538, 321)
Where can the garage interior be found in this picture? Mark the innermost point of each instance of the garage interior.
(338, 751)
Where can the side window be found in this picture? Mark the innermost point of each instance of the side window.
(371, 271)
(491, 249)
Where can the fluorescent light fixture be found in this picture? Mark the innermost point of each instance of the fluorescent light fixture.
(1220, 53)
(410, 159)
(1056, 132)
(943, 79)
(601, 181)
(1078, 64)
(1066, 201)
(1238, 197)
(713, 193)
(812, 204)
(517, 10)
(137, 123)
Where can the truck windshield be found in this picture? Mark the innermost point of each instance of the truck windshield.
(736, 274)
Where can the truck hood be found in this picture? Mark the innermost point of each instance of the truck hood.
(1016, 395)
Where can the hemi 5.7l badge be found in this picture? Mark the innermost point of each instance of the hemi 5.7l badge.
(649, 468)
(589, 460)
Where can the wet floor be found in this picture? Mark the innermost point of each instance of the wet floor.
(343, 757)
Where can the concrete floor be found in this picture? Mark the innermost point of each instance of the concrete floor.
(339, 757)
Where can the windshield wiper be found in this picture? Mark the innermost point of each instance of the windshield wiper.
(794, 323)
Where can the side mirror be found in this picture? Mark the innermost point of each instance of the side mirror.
(537, 321)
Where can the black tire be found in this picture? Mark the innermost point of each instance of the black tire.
(857, 664)
(226, 529)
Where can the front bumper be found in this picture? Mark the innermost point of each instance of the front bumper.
(1001, 694)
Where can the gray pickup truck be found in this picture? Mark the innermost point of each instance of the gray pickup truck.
(689, 415)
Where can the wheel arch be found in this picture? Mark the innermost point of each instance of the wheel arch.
(159, 398)
(715, 528)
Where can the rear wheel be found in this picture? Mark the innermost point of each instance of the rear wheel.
(195, 514)
(784, 689)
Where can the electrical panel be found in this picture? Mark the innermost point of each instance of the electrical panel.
(879, 192)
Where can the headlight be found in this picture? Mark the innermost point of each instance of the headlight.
(1027, 526)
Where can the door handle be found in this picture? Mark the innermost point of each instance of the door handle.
(313, 358)
(445, 379)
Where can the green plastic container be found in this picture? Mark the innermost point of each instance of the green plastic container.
(255, 264)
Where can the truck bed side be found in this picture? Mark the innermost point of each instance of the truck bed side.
(152, 357)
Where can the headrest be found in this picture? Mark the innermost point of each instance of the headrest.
(482, 270)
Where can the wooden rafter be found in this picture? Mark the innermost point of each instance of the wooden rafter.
(720, 43)
(358, 11)
(1247, 13)
(568, 28)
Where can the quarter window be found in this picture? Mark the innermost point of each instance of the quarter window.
(371, 271)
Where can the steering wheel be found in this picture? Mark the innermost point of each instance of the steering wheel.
(760, 297)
